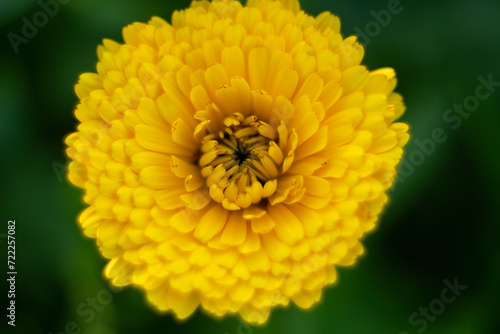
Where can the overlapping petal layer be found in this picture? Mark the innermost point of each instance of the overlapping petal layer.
(233, 158)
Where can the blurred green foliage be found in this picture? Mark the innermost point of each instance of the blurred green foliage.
(442, 223)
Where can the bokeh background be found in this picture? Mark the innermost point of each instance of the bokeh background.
(443, 222)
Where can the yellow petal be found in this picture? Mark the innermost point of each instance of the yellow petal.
(159, 177)
(211, 223)
(235, 230)
(241, 293)
(288, 228)
(251, 243)
(258, 61)
(183, 305)
(233, 61)
(313, 219)
(156, 140)
(305, 298)
(262, 224)
(275, 248)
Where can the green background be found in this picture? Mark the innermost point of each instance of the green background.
(443, 221)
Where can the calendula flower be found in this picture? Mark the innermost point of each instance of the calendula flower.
(232, 159)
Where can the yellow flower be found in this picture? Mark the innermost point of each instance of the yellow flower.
(233, 158)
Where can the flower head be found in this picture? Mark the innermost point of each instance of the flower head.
(233, 158)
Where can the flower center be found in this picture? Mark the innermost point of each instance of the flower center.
(236, 163)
